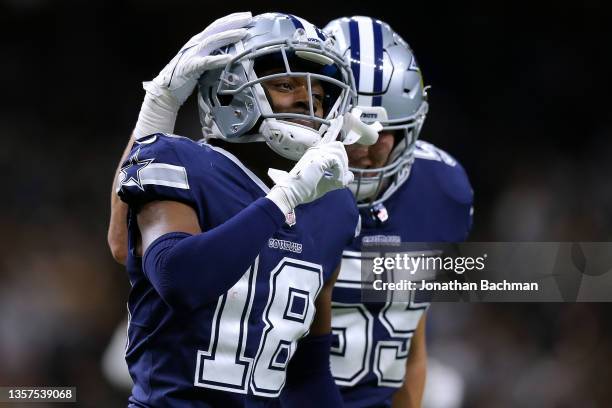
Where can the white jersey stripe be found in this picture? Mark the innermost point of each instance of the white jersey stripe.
(160, 174)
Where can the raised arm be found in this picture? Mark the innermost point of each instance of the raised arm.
(117, 227)
(164, 96)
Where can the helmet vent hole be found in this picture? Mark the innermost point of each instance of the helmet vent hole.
(225, 100)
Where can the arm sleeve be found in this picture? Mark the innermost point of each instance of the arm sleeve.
(309, 378)
(189, 271)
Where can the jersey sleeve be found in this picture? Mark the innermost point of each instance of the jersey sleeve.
(458, 189)
(155, 170)
(345, 226)
(454, 186)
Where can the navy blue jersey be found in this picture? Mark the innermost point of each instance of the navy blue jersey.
(372, 340)
(239, 344)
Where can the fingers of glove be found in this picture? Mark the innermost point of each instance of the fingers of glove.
(348, 178)
(195, 67)
(332, 181)
(333, 169)
(219, 40)
(308, 157)
(332, 132)
(277, 176)
(343, 180)
(215, 61)
(337, 150)
(190, 57)
(327, 156)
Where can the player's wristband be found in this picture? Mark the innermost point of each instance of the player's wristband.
(279, 197)
(157, 113)
(309, 379)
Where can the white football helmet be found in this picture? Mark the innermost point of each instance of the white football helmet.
(390, 90)
(234, 105)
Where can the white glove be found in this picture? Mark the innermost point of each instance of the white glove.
(171, 88)
(323, 168)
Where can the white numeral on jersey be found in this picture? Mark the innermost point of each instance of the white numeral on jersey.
(351, 358)
(293, 287)
(289, 312)
(223, 366)
(390, 362)
(352, 324)
(400, 316)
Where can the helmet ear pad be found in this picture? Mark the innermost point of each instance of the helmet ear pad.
(223, 115)
(287, 139)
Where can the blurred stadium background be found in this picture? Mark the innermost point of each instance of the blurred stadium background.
(520, 95)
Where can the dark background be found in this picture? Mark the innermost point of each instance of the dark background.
(520, 95)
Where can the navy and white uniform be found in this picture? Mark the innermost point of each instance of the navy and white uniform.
(372, 340)
(214, 353)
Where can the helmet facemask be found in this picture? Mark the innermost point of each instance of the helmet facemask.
(373, 186)
(236, 106)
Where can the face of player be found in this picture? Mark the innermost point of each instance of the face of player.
(368, 157)
(290, 95)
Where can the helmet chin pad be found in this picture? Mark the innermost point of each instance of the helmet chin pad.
(287, 139)
(364, 190)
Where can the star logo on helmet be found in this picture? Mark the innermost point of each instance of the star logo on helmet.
(413, 65)
(131, 171)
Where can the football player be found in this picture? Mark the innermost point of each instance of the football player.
(231, 289)
(407, 191)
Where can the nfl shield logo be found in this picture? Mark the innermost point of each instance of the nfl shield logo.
(381, 212)
(290, 218)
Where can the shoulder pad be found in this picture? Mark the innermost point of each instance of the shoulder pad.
(449, 175)
(156, 170)
(427, 151)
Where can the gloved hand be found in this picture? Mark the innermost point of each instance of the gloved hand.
(323, 168)
(170, 89)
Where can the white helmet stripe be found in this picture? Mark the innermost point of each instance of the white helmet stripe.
(367, 57)
(311, 30)
(378, 62)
